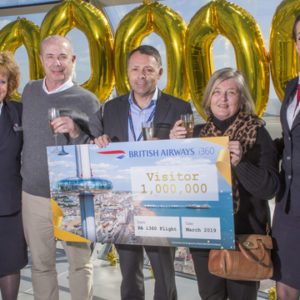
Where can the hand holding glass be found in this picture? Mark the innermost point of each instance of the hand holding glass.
(188, 123)
(148, 130)
(53, 113)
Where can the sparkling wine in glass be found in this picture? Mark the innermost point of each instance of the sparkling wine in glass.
(188, 123)
(148, 130)
(53, 113)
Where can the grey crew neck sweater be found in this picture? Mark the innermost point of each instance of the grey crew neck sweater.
(76, 102)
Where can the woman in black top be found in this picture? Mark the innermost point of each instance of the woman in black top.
(230, 110)
(13, 249)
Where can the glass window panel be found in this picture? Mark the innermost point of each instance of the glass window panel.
(82, 51)
(16, 3)
(262, 11)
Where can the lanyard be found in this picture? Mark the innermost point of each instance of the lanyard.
(131, 124)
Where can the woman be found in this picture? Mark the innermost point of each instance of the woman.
(286, 221)
(230, 110)
(13, 249)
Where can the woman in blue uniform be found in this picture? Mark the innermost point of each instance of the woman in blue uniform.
(13, 249)
(286, 220)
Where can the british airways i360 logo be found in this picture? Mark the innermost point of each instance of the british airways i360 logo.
(119, 153)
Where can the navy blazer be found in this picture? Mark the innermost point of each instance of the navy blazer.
(114, 119)
(11, 141)
(290, 171)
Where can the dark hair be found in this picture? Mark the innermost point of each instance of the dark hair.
(294, 28)
(148, 50)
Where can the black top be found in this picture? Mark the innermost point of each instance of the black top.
(258, 179)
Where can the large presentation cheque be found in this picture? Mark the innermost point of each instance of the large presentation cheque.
(164, 192)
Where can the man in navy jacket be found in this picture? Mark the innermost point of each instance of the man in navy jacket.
(121, 121)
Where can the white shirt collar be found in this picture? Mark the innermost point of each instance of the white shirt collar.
(63, 87)
(1, 104)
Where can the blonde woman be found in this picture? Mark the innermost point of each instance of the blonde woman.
(13, 249)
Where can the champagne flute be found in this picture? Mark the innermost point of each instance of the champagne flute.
(53, 113)
(148, 130)
(188, 123)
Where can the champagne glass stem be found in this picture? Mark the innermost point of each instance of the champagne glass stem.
(55, 139)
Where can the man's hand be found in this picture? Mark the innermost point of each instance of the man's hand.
(66, 125)
(102, 140)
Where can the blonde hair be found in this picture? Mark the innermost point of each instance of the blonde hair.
(10, 68)
(245, 99)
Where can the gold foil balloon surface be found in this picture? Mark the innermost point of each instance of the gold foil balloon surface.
(283, 57)
(23, 32)
(189, 72)
(93, 23)
(134, 27)
(239, 27)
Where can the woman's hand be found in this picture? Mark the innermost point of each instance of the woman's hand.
(178, 131)
(236, 152)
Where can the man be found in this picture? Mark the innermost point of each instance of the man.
(76, 105)
(121, 121)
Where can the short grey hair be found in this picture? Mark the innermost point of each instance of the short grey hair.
(245, 98)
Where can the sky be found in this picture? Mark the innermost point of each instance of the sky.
(262, 12)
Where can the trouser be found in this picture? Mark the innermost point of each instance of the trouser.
(216, 288)
(38, 229)
(131, 259)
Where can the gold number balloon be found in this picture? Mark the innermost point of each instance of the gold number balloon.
(135, 26)
(238, 26)
(283, 56)
(23, 32)
(92, 22)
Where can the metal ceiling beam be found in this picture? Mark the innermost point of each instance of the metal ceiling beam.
(113, 2)
(31, 9)
(23, 10)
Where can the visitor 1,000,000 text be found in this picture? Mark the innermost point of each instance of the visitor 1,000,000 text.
(166, 188)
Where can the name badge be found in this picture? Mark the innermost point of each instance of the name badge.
(17, 128)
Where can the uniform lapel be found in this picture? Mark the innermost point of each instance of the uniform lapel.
(162, 108)
(291, 94)
(5, 124)
(287, 99)
(296, 121)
